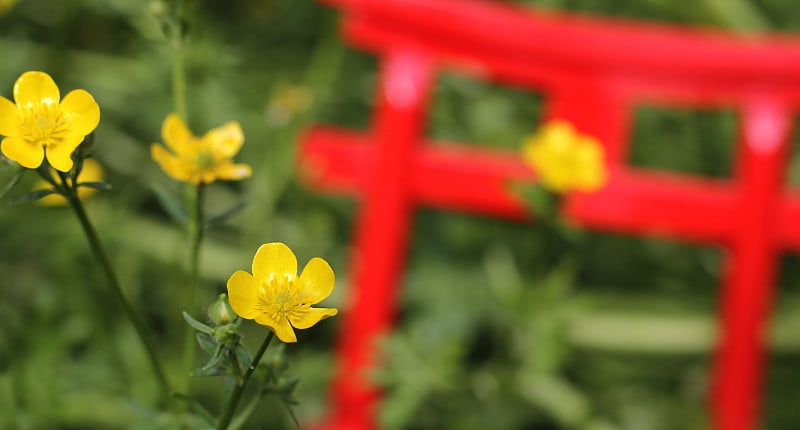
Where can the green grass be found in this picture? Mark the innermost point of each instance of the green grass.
(498, 328)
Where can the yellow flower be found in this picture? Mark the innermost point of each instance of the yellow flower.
(203, 159)
(565, 160)
(38, 124)
(91, 172)
(288, 102)
(276, 297)
(6, 5)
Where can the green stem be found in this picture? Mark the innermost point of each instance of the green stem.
(178, 62)
(102, 258)
(236, 394)
(196, 228)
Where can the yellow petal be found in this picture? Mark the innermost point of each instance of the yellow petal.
(282, 329)
(35, 87)
(176, 135)
(26, 154)
(243, 292)
(169, 163)
(60, 155)
(224, 142)
(9, 118)
(82, 111)
(205, 176)
(274, 258)
(316, 281)
(232, 172)
(311, 316)
(558, 132)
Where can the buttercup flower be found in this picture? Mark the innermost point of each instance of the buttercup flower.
(91, 172)
(276, 297)
(6, 5)
(41, 124)
(565, 160)
(200, 160)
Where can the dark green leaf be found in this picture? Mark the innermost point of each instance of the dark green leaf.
(102, 186)
(14, 178)
(33, 195)
(243, 416)
(224, 216)
(197, 325)
(216, 366)
(197, 407)
(174, 207)
(207, 344)
(244, 357)
(540, 202)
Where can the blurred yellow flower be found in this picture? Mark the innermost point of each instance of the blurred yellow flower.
(200, 160)
(6, 5)
(91, 172)
(565, 160)
(276, 297)
(287, 102)
(41, 124)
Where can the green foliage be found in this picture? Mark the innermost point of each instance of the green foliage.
(501, 325)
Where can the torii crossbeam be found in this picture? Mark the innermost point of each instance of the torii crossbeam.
(592, 73)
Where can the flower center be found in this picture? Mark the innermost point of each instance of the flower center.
(279, 298)
(204, 161)
(43, 124)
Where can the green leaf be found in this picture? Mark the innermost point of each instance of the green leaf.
(197, 325)
(226, 215)
(174, 207)
(14, 178)
(244, 357)
(206, 342)
(540, 202)
(243, 416)
(216, 366)
(102, 186)
(197, 407)
(33, 196)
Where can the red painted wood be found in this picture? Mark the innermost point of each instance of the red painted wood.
(593, 73)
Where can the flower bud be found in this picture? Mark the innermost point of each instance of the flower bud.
(227, 335)
(220, 312)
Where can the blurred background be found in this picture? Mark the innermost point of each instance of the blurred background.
(501, 325)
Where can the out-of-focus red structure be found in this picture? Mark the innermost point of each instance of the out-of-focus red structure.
(592, 73)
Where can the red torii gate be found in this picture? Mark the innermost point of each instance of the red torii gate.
(591, 73)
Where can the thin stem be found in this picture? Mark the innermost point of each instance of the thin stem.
(196, 228)
(236, 394)
(237, 370)
(102, 258)
(178, 62)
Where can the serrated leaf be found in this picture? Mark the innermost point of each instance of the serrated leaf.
(226, 215)
(174, 207)
(102, 186)
(33, 196)
(197, 325)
